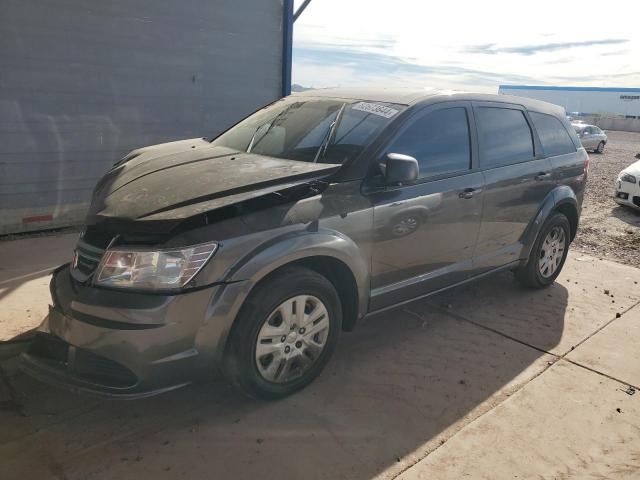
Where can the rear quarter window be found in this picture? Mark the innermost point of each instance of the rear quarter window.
(504, 136)
(553, 136)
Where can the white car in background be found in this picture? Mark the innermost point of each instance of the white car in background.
(628, 186)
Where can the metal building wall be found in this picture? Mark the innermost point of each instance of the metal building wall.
(82, 82)
(587, 100)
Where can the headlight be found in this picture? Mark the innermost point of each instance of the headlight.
(628, 178)
(153, 270)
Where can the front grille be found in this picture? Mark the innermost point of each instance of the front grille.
(87, 258)
(81, 363)
(636, 201)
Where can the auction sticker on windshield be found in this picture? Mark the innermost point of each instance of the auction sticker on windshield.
(376, 109)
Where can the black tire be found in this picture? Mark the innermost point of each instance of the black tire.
(529, 274)
(599, 148)
(240, 358)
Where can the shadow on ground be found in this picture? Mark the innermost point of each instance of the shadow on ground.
(394, 388)
(626, 214)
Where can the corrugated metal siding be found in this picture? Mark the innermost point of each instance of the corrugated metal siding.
(83, 82)
(605, 101)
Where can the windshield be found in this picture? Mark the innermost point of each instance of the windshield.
(311, 129)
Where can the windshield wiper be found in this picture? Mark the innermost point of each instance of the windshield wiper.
(322, 149)
(253, 137)
(271, 125)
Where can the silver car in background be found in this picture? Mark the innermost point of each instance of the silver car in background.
(591, 137)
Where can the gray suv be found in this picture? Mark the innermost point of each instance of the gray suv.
(252, 252)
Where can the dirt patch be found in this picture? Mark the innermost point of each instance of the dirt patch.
(608, 230)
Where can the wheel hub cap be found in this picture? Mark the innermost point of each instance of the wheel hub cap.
(552, 252)
(292, 338)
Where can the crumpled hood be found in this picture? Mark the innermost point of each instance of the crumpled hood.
(180, 179)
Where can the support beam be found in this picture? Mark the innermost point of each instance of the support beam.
(287, 46)
(301, 9)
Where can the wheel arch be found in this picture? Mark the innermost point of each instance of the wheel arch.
(335, 270)
(561, 199)
(328, 253)
(340, 276)
(570, 211)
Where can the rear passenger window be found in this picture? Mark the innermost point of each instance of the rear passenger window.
(439, 141)
(504, 136)
(554, 138)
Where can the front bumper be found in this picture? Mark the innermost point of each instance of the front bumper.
(627, 194)
(129, 345)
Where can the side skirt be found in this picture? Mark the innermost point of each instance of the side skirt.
(508, 266)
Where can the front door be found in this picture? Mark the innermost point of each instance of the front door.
(425, 233)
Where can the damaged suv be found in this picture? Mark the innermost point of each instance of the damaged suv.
(252, 252)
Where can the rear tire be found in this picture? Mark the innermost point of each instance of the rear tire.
(548, 254)
(277, 345)
(600, 148)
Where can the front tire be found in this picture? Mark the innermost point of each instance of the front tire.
(548, 254)
(285, 334)
(600, 148)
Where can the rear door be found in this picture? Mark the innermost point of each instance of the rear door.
(517, 180)
(559, 146)
(425, 232)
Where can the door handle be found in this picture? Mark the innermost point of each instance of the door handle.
(469, 192)
(542, 176)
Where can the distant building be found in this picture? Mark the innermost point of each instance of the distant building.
(583, 101)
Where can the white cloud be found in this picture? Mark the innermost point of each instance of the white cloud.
(416, 42)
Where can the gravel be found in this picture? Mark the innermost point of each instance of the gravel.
(608, 230)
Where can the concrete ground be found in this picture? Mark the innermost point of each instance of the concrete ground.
(25, 267)
(487, 381)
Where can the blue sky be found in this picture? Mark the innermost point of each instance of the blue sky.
(467, 45)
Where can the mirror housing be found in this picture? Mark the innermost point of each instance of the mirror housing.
(400, 169)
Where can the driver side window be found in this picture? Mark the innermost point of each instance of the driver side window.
(439, 141)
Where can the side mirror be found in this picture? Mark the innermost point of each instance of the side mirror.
(400, 169)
